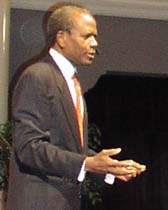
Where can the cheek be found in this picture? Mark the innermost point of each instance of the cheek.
(79, 49)
(80, 45)
(80, 52)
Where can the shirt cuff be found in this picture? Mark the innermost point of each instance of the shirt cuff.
(109, 179)
(82, 173)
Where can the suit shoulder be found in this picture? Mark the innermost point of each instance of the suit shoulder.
(40, 71)
(38, 68)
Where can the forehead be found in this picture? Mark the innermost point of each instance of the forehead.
(85, 22)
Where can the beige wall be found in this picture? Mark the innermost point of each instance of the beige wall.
(4, 59)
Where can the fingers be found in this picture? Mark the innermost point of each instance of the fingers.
(130, 163)
(124, 178)
(134, 167)
(122, 171)
(125, 163)
(138, 166)
(128, 168)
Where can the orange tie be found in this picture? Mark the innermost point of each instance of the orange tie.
(79, 107)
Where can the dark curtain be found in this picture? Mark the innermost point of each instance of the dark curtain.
(131, 112)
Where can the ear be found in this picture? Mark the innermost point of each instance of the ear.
(61, 39)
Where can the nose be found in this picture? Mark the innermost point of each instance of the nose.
(94, 42)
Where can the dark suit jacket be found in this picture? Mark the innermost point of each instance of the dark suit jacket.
(47, 156)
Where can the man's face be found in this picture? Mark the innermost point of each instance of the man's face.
(81, 42)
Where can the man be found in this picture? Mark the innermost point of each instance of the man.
(50, 155)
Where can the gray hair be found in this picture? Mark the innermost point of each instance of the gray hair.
(60, 18)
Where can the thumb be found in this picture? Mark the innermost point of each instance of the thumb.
(111, 152)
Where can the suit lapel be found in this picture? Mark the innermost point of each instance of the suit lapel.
(67, 103)
(85, 128)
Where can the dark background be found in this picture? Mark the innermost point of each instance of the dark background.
(130, 111)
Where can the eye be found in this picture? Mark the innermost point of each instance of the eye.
(86, 36)
(90, 36)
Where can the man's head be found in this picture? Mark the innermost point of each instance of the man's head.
(72, 31)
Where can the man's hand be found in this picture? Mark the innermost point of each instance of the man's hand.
(103, 163)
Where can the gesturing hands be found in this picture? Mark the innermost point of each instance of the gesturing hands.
(103, 163)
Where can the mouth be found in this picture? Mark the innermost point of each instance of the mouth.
(91, 55)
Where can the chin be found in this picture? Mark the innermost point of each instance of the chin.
(85, 62)
(88, 62)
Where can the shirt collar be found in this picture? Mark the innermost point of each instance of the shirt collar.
(66, 67)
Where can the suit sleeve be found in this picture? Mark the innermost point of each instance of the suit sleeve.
(33, 146)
